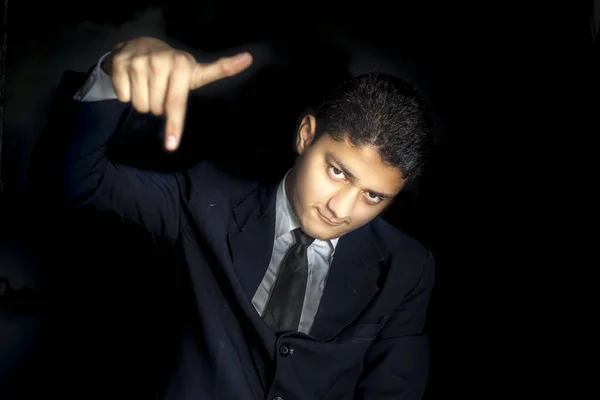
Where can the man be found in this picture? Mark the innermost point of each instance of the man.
(300, 290)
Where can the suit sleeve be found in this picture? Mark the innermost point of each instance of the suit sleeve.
(397, 363)
(70, 168)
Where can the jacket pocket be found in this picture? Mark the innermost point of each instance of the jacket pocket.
(360, 331)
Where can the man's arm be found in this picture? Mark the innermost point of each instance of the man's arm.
(82, 173)
(397, 363)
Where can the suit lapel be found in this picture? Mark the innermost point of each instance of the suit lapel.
(351, 283)
(251, 237)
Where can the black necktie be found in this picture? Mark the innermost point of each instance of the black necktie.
(287, 297)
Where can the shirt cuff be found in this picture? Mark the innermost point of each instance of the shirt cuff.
(98, 86)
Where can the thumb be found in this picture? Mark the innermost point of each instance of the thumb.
(204, 74)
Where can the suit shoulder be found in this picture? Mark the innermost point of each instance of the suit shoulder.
(398, 243)
(409, 261)
(205, 179)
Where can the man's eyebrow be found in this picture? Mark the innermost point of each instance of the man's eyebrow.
(331, 157)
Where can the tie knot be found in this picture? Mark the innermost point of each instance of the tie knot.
(302, 237)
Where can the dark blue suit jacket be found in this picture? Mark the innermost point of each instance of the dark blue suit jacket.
(368, 339)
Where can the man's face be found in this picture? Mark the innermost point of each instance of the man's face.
(336, 187)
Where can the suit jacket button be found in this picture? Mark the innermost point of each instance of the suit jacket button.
(284, 350)
(277, 398)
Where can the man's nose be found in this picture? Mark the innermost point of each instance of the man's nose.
(342, 203)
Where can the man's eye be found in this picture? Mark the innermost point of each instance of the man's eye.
(338, 173)
(372, 198)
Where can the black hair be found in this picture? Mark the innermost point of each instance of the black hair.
(383, 111)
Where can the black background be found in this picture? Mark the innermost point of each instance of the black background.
(513, 95)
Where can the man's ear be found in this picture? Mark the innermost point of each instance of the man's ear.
(306, 133)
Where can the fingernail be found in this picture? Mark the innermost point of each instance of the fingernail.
(171, 142)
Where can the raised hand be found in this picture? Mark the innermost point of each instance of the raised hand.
(157, 78)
